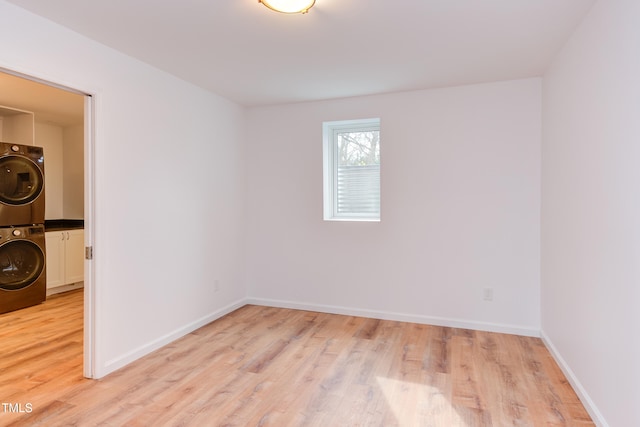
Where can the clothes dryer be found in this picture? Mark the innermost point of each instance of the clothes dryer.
(22, 267)
(21, 184)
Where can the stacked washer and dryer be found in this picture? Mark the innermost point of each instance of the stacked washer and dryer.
(22, 243)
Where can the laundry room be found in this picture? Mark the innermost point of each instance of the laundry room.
(44, 125)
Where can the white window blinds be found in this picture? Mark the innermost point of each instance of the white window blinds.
(352, 170)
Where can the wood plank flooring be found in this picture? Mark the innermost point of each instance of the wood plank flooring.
(262, 366)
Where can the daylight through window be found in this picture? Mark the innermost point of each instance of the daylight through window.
(352, 170)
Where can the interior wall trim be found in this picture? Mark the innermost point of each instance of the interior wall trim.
(143, 350)
(584, 397)
(402, 317)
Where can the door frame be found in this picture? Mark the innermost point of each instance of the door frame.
(89, 327)
(89, 212)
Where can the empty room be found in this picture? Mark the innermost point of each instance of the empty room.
(341, 213)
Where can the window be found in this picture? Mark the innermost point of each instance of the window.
(352, 170)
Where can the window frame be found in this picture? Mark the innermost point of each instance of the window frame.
(330, 131)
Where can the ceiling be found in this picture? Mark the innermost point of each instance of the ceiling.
(49, 104)
(249, 54)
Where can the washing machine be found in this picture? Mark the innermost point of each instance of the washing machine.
(21, 184)
(23, 279)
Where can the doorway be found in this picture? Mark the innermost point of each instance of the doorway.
(62, 120)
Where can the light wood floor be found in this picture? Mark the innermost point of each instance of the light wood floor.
(264, 366)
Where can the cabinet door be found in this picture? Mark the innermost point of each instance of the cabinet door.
(74, 256)
(55, 258)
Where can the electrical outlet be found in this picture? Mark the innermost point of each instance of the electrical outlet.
(487, 294)
(216, 285)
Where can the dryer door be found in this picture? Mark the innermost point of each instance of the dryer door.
(21, 181)
(21, 264)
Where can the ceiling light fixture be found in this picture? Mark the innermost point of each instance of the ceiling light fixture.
(289, 6)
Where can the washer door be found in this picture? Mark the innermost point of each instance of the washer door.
(21, 180)
(21, 263)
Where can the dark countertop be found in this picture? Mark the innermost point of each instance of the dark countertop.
(63, 224)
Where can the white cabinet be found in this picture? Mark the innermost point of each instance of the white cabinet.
(16, 126)
(65, 257)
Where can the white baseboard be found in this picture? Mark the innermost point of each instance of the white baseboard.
(414, 318)
(591, 408)
(65, 288)
(143, 350)
(121, 361)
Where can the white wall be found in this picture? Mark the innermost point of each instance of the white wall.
(591, 211)
(460, 202)
(73, 172)
(460, 209)
(64, 169)
(50, 138)
(169, 188)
